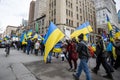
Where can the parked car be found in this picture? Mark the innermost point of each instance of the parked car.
(2, 44)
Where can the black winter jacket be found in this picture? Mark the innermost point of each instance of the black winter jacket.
(82, 50)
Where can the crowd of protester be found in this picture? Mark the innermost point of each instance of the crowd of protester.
(72, 50)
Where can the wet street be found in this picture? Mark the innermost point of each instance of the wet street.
(20, 66)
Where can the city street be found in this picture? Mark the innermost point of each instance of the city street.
(19, 66)
(56, 26)
(11, 67)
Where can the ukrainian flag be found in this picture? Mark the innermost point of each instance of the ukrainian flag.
(109, 24)
(36, 36)
(85, 28)
(85, 37)
(57, 47)
(117, 34)
(53, 36)
(29, 33)
(23, 37)
(110, 28)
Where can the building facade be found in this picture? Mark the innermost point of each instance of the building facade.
(119, 16)
(119, 19)
(31, 14)
(10, 31)
(31, 11)
(24, 22)
(66, 14)
(103, 8)
(40, 15)
(71, 13)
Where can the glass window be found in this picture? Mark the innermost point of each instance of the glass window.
(66, 11)
(77, 17)
(77, 24)
(77, 8)
(71, 5)
(54, 21)
(43, 22)
(54, 11)
(67, 21)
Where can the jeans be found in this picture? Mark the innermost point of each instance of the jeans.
(83, 66)
(49, 58)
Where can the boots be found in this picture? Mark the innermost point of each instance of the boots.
(109, 76)
(75, 77)
(94, 70)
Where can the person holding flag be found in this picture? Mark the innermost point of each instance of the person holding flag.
(53, 36)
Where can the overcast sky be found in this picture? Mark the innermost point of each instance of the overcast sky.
(13, 11)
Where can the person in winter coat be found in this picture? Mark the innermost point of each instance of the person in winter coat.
(37, 47)
(101, 58)
(117, 50)
(83, 54)
(72, 55)
(28, 46)
(110, 54)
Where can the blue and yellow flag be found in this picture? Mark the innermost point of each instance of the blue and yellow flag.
(29, 33)
(53, 36)
(23, 38)
(58, 47)
(117, 33)
(109, 24)
(36, 36)
(85, 37)
(110, 29)
(85, 28)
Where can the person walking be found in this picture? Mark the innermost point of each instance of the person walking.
(42, 47)
(32, 46)
(101, 58)
(7, 47)
(64, 49)
(117, 50)
(37, 47)
(110, 54)
(28, 46)
(71, 47)
(84, 55)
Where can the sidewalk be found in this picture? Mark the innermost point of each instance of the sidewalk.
(12, 68)
(57, 70)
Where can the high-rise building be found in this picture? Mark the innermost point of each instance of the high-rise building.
(40, 16)
(103, 8)
(119, 16)
(24, 22)
(31, 11)
(119, 19)
(31, 14)
(66, 14)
